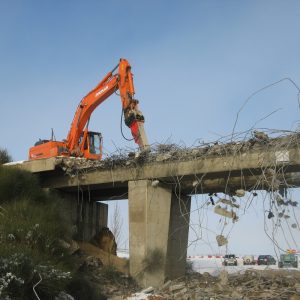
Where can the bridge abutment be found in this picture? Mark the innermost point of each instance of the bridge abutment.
(87, 216)
(158, 232)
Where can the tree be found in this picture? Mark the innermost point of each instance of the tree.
(4, 156)
(116, 223)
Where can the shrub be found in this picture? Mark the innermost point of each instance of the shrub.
(110, 273)
(32, 239)
(18, 275)
(189, 267)
(16, 183)
(153, 261)
(80, 288)
(29, 247)
(32, 225)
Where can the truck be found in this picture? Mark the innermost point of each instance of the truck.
(288, 260)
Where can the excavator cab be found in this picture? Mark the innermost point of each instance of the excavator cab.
(92, 147)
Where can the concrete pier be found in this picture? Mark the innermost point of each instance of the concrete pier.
(158, 232)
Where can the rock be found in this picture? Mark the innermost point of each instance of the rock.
(148, 290)
(235, 295)
(93, 262)
(261, 136)
(105, 240)
(223, 278)
(71, 246)
(163, 157)
(64, 296)
(166, 285)
(297, 287)
(176, 287)
(265, 295)
(180, 293)
(142, 296)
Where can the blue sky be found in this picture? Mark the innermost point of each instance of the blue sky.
(195, 63)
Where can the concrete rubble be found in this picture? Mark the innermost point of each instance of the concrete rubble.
(228, 202)
(221, 240)
(225, 213)
(252, 284)
(240, 193)
(172, 152)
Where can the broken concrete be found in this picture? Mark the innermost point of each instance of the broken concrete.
(225, 213)
(221, 240)
(253, 284)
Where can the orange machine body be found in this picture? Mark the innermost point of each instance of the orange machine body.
(46, 149)
(82, 143)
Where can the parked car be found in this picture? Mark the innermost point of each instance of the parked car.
(288, 260)
(230, 260)
(248, 260)
(266, 260)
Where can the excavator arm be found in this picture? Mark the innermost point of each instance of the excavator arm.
(77, 142)
(122, 81)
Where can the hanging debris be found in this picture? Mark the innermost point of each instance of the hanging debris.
(221, 240)
(240, 193)
(225, 213)
(195, 183)
(279, 200)
(292, 203)
(270, 215)
(228, 202)
(155, 183)
(270, 177)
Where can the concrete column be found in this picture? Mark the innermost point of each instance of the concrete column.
(178, 235)
(88, 216)
(158, 232)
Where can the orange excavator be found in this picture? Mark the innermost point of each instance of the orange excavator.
(83, 143)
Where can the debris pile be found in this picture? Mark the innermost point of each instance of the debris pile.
(172, 152)
(253, 284)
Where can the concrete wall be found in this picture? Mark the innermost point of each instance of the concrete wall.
(86, 216)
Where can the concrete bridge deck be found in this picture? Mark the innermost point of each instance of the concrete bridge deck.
(217, 168)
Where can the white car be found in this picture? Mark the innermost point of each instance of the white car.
(248, 260)
(230, 260)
